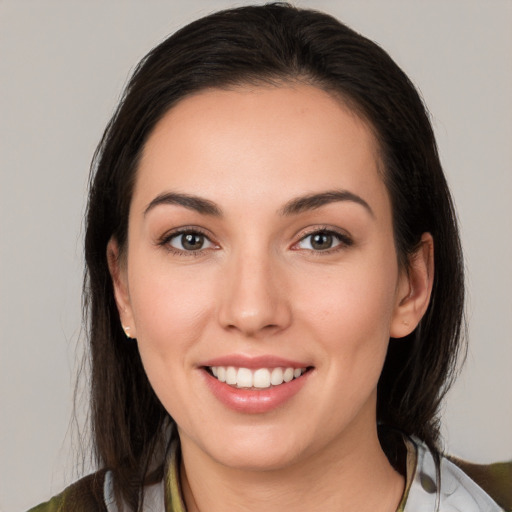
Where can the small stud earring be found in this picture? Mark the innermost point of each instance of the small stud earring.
(127, 331)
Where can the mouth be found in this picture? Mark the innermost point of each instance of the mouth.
(260, 378)
(255, 385)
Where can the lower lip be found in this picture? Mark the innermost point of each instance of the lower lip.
(252, 401)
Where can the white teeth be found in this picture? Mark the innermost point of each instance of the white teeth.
(288, 374)
(231, 375)
(244, 378)
(261, 378)
(277, 377)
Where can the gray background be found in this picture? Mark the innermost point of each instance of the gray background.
(63, 65)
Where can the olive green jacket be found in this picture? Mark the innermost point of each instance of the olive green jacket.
(452, 485)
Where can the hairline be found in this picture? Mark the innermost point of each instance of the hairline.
(275, 80)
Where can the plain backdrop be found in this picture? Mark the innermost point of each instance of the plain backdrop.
(63, 66)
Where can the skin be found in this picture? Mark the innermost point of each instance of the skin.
(258, 287)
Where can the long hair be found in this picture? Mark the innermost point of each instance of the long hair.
(274, 44)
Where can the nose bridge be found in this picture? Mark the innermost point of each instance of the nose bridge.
(254, 300)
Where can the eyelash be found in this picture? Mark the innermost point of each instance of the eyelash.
(165, 241)
(343, 239)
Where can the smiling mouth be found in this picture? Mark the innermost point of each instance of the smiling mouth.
(262, 378)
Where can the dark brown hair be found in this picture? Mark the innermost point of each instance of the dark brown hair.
(270, 44)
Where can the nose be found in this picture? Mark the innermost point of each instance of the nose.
(255, 301)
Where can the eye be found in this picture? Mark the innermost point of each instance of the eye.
(189, 241)
(323, 241)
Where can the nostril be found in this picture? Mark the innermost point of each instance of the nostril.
(253, 330)
(253, 313)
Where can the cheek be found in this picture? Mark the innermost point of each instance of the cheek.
(350, 311)
(170, 310)
(170, 314)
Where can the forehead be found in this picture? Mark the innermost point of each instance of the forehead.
(259, 142)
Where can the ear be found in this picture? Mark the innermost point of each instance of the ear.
(118, 273)
(414, 289)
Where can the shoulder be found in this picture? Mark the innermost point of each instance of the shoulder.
(96, 493)
(83, 496)
(495, 479)
(446, 483)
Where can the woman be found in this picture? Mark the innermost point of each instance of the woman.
(271, 247)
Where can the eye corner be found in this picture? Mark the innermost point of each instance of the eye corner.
(332, 239)
(183, 247)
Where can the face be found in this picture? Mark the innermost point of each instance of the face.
(261, 277)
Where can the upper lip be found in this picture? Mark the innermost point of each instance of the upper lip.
(243, 361)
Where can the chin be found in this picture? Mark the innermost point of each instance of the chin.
(253, 448)
(257, 459)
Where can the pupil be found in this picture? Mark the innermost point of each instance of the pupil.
(192, 241)
(321, 241)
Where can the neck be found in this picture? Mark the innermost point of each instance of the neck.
(345, 475)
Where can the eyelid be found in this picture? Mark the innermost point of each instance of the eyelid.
(345, 240)
(173, 233)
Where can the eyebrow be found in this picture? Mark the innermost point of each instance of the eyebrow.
(292, 207)
(313, 201)
(198, 204)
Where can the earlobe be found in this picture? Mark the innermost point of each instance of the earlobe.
(120, 285)
(414, 289)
